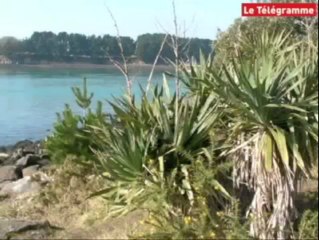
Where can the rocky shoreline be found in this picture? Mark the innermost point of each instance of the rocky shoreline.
(22, 168)
(22, 175)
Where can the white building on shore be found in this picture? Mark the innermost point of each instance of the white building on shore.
(5, 60)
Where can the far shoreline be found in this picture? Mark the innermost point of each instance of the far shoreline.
(93, 66)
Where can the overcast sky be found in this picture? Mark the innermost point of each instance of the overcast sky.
(202, 18)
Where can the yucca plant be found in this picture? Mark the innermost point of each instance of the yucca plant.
(147, 152)
(271, 100)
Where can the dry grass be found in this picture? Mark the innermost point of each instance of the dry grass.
(64, 204)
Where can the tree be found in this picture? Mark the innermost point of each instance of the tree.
(44, 44)
(63, 44)
(72, 47)
(227, 44)
(79, 44)
(148, 45)
(128, 46)
(9, 46)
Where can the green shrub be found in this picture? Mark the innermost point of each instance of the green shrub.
(165, 166)
(213, 214)
(71, 134)
(308, 226)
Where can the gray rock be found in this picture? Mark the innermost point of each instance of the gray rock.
(8, 173)
(4, 183)
(4, 156)
(23, 229)
(29, 171)
(18, 153)
(28, 160)
(23, 144)
(44, 155)
(21, 186)
(44, 162)
(42, 178)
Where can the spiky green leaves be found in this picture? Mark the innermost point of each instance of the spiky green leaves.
(272, 92)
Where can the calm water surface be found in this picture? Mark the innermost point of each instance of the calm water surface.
(31, 97)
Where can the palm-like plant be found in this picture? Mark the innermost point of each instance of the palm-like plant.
(147, 152)
(271, 100)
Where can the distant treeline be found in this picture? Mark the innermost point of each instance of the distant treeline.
(64, 47)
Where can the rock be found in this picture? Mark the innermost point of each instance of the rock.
(44, 162)
(23, 185)
(4, 156)
(24, 154)
(29, 171)
(23, 144)
(16, 154)
(8, 173)
(44, 155)
(28, 160)
(31, 149)
(23, 229)
(42, 178)
(4, 183)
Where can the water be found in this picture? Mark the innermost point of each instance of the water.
(31, 97)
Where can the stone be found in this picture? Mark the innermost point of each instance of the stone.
(17, 154)
(21, 186)
(25, 229)
(29, 171)
(8, 173)
(44, 162)
(4, 156)
(42, 178)
(28, 160)
(23, 144)
(2, 184)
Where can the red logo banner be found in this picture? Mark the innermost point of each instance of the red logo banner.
(279, 9)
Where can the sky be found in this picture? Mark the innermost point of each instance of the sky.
(200, 18)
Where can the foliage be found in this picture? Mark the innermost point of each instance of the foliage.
(271, 99)
(211, 217)
(71, 135)
(170, 170)
(227, 45)
(150, 132)
(73, 47)
(308, 226)
(251, 109)
(9, 45)
(148, 45)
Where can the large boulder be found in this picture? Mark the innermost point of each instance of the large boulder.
(25, 186)
(28, 160)
(44, 162)
(21, 186)
(2, 184)
(4, 156)
(30, 171)
(8, 173)
(23, 144)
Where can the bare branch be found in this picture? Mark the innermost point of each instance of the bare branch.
(175, 42)
(155, 62)
(121, 66)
